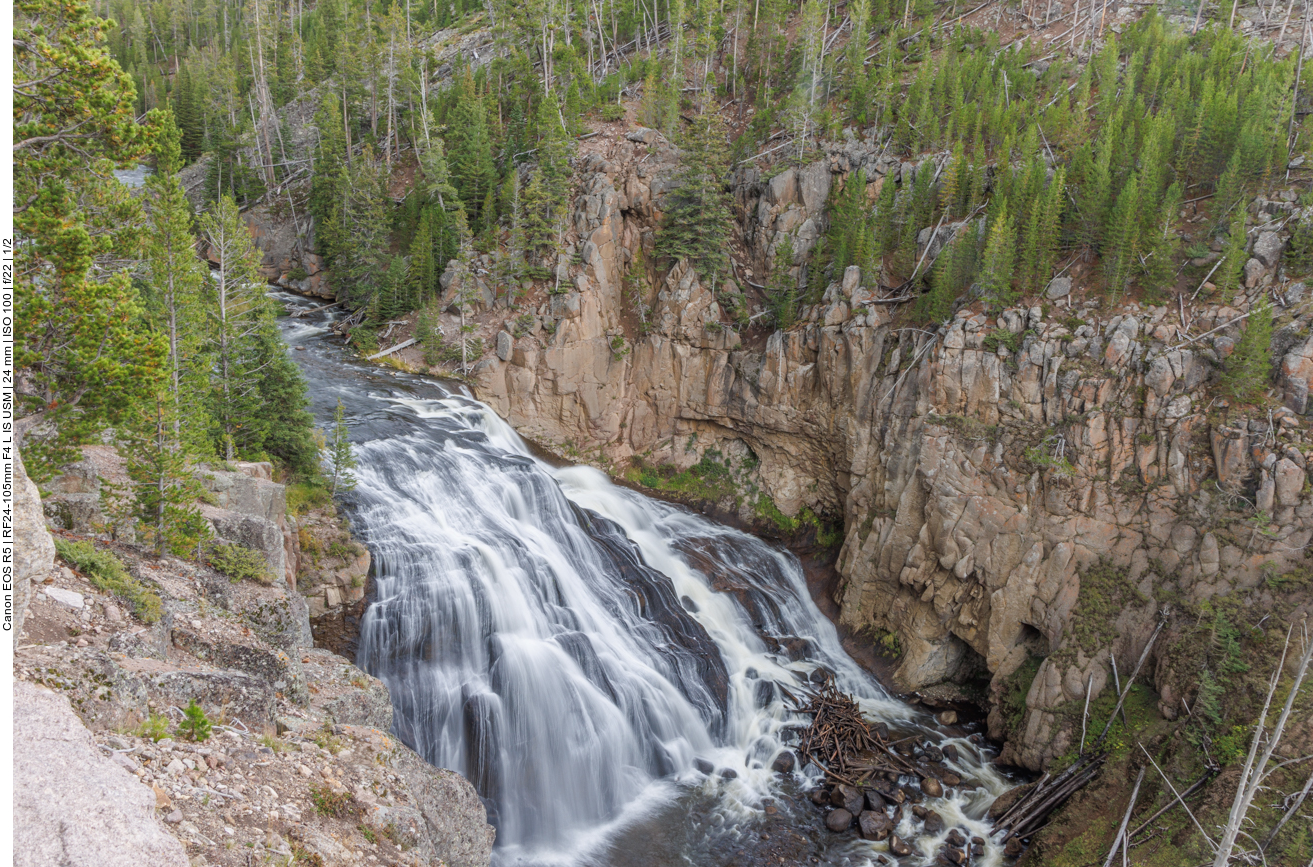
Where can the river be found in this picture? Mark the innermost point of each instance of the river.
(582, 653)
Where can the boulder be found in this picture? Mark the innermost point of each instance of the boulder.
(249, 491)
(1254, 273)
(1296, 376)
(1059, 287)
(852, 278)
(783, 188)
(643, 135)
(814, 186)
(874, 825)
(34, 550)
(934, 823)
(1268, 247)
(281, 671)
(899, 846)
(257, 534)
(456, 818)
(73, 806)
(839, 820)
(784, 762)
(849, 798)
(1288, 482)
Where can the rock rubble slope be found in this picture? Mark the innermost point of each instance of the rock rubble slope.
(299, 765)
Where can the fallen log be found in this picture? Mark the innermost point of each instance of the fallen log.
(297, 314)
(1029, 813)
(402, 345)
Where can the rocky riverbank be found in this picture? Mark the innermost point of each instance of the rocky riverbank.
(299, 762)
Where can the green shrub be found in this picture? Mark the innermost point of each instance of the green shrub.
(1246, 370)
(304, 496)
(239, 563)
(887, 643)
(154, 727)
(1040, 457)
(1015, 689)
(325, 740)
(195, 724)
(107, 572)
(339, 805)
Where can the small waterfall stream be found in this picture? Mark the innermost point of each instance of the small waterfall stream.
(577, 650)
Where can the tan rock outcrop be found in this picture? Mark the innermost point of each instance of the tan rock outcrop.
(979, 468)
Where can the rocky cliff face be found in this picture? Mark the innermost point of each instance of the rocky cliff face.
(300, 764)
(981, 469)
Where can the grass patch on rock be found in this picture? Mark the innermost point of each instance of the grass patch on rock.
(239, 563)
(107, 572)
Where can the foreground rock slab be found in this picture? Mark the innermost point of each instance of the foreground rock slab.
(73, 806)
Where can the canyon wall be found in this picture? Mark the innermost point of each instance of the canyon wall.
(981, 468)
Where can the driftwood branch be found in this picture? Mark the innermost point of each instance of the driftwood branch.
(1030, 812)
(1144, 654)
(1194, 787)
(402, 345)
(1122, 839)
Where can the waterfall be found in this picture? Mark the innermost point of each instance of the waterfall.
(573, 648)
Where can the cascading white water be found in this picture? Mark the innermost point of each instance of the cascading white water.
(576, 649)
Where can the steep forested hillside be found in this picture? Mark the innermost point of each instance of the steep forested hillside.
(440, 131)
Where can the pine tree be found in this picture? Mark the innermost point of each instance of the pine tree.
(464, 288)
(946, 280)
(188, 112)
(856, 77)
(1230, 188)
(164, 491)
(698, 217)
(236, 310)
(555, 146)
(83, 354)
(885, 230)
(1046, 253)
(996, 268)
(659, 107)
(782, 287)
(195, 724)
(1164, 246)
(1300, 256)
(1094, 186)
(283, 428)
(341, 459)
(423, 267)
(1246, 370)
(1122, 239)
(365, 213)
(1233, 256)
(472, 170)
(848, 224)
(950, 182)
(541, 216)
(175, 283)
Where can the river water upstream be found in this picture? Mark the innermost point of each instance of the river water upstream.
(578, 651)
